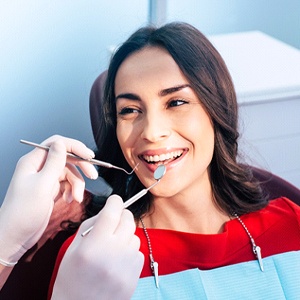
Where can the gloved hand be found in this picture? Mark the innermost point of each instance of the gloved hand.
(40, 178)
(104, 264)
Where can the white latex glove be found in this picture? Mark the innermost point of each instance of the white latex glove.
(40, 178)
(106, 263)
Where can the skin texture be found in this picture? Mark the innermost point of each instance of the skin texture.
(159, 113)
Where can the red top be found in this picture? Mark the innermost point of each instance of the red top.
(276, 229)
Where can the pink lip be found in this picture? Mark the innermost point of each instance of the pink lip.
(169, 165)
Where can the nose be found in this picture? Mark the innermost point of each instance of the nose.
(155, 127)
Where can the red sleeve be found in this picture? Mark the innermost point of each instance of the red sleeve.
(59, 258)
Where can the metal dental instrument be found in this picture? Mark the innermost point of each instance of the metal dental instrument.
(158, 174)
(92, 161)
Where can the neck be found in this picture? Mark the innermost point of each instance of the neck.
(183, 213)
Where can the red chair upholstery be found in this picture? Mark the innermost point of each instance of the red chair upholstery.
(276, 186)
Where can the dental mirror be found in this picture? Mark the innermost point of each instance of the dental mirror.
(158, 174)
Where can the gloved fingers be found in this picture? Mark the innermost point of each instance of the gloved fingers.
(109, 217)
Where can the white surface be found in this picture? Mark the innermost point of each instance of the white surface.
(262, 68)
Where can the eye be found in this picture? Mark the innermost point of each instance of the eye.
(128, 110)
(177, 102)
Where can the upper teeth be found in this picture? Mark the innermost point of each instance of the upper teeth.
(162, 157)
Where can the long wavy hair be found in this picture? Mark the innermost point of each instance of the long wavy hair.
(233, 185)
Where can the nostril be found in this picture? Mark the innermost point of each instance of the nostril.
(155, 126)
(155, 135)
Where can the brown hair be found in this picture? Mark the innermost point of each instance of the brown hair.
(233, 185)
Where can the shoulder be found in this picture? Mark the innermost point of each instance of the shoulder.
(278, 209)
(280, 218)
(276, 228)
(283, 207)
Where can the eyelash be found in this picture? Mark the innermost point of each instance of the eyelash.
(127, 110)
(172, 103)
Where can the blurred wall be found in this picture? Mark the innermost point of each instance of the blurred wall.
(50, 54)
(277, 18)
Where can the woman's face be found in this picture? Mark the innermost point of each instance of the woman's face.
(160, 120)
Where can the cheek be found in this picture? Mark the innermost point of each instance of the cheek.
(126, 137)
(203, 129)
(121, 137)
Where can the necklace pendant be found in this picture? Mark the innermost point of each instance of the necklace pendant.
(256, 249)
(154, 267)
(257, 252)
(155, 270)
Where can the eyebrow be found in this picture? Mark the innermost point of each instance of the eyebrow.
(129, 96)
(173, 89)
(164, 92)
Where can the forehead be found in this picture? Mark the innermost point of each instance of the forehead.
(149, 66)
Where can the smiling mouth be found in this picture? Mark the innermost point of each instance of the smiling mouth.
(162, 158)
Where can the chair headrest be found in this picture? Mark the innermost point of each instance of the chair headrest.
(96, 96)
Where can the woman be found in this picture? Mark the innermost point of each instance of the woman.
(169, 99)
